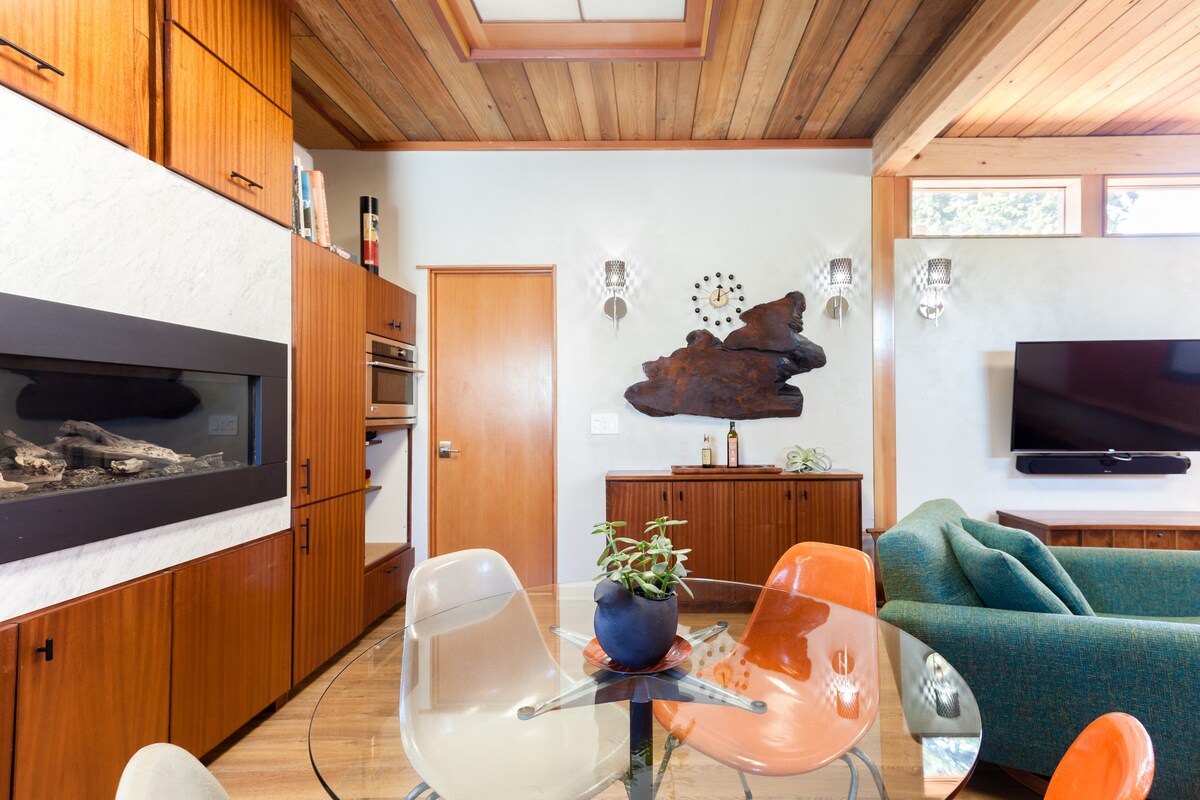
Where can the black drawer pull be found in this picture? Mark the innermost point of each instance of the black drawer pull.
(41, 64)
(304, 546)
(664, 496)
(253, 183)
(307, 467)
(397, 326)
(789, 494)
(681, 495)
(47, 649)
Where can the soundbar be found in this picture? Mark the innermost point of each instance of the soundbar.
(1103, 464)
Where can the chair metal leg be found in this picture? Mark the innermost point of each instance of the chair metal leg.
(745, 786)
(417, 791)
(668, 747)
(853, 793)
(875, 773)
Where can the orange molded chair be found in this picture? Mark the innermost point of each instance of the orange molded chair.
(815, 665)
(1113, 759)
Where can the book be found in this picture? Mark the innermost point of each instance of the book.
(320, 210)
(306, 218)
(296, 217)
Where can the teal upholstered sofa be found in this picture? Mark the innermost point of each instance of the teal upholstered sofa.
(1040, 678)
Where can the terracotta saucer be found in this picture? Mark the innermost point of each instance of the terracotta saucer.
(680, 651)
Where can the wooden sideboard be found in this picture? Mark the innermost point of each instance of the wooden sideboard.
(739, 524)
(1155, 530)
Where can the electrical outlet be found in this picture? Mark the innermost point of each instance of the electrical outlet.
(605, 424)
(222, 425)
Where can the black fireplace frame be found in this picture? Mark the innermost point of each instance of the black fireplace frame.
(45, 523)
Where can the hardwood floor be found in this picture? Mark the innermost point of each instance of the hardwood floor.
(268, 758)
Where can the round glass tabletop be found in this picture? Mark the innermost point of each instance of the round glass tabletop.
(783, 694)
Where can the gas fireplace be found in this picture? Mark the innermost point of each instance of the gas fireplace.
(111, 424)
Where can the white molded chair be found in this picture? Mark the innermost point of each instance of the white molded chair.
(467, 671)
(159, 771)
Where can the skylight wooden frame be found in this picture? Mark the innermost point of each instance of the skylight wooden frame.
(476, 41)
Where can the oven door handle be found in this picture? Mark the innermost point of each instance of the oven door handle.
(393, 366)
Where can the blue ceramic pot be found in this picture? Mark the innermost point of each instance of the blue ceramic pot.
(634, 631)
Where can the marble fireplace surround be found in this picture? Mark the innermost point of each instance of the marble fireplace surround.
(54, 521)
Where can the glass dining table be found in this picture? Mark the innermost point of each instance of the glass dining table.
(766, 694)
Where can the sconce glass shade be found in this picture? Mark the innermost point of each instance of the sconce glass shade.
(841, 275)
(937, 273)
(614, 275)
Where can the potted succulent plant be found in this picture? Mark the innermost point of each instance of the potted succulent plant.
(636, 609)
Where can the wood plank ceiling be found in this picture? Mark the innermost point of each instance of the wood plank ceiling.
(372, 72)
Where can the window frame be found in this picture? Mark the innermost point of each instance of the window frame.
(1072, 208)
(1145, 181)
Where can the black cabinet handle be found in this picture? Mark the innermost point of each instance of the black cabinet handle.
(806, 494)
(396, 326)
(307, 467)
(390, 570)
(664, 495)
(304, 546)
(47, 650)
(253, 183)
(789, 494)
(681, 495)
(41, 64)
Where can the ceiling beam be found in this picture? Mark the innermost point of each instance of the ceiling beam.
(1056, 155)
(642, 144)
(996, 35)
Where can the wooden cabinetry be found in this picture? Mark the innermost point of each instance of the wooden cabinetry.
(231, 652)
(221, 132)
(252, 38)
(386, 579)
(93, 686)
(328, 373)
(1153, 530)
(391, 310)
(739, 525)
(328, 590)
(8, 701)
(97, 47)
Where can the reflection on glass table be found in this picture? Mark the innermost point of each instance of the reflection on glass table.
(495, 699)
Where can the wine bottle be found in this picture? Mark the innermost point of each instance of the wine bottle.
(706, 452)
(368, 211)
(732, 443)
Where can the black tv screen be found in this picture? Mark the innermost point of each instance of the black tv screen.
(1125, 396)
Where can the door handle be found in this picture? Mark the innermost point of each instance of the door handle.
(444, 450)
(41, 64)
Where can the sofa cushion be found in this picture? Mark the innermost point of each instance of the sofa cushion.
(1035, 556)
(1001, 580)
(916, 561)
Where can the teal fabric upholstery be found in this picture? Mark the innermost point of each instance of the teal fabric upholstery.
(1037, 558)
(920, 564)
(999, 579)
(1039, 679)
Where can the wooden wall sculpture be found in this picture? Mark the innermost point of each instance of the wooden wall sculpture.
(744, 377)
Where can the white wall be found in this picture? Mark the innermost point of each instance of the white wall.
(84, 221)
(954, 381)
(774, 218)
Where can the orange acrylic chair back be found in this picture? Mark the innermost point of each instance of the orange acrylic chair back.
(837, 574)
(1112, 759)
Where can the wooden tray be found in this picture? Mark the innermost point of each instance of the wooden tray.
(691, 469)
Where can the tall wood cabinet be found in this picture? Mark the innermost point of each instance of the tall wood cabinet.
(739, 525)
(100, 46)
(8, 702)
(93, 686)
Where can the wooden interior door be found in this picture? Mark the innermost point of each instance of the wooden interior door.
(493, 400)
(93, 687)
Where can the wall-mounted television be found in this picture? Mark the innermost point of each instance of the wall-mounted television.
(1133, 396)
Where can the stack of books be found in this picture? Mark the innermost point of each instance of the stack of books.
(310, 213)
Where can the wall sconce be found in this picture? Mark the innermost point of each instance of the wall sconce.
(937, 280)
(841, 275)
(614, 282)
(945, 693)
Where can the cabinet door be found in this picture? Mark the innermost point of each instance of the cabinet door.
(390, 310)
(635, 502)
(328, 374)
(8, 699)
(328, 593)
(385, 585)
(223, 134)
(252, 38)
(93, 687)
(231, 653)
(708, 508)
(832, 513)
(766, 526)
(93, 42)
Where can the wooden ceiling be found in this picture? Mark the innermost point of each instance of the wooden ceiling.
(380, 73)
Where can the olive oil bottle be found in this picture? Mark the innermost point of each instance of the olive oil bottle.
(732, 443)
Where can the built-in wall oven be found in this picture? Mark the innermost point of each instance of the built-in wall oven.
(391, 380)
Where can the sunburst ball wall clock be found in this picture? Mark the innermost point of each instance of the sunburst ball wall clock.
(717, 299)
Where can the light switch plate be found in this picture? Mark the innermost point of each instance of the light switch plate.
(605, 424)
